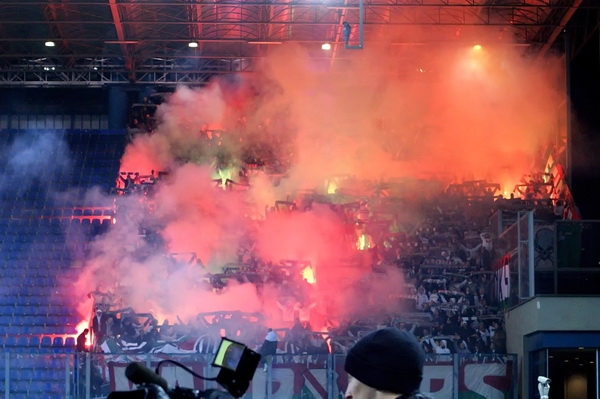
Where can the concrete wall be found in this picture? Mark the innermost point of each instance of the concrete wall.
(551, 313)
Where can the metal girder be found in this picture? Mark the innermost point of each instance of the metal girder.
(421, 3)
(52, 15)
(116, 20)
(585, 24)
(61, 78)
(560, 18)
(138, 33)
(97, 78)
(240, 13)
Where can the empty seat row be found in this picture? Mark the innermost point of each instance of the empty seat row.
(6, 330)
(41, 316)
(45, 344)
(19, 281)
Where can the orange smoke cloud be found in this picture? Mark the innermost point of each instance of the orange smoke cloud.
(469, 114)
(432, 111)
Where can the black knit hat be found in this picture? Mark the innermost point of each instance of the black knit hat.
(389, 360)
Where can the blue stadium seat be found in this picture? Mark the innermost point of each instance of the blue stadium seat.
(37, 330)
(29, 361)
(50, 330)
(20, 309)
(37, 300)
(57, 342)
(26, 374)
(22, 340)
(71, 329)
(14, 373)
(40, 374)
(70, 343)
(25, 329)
(14, 329)
(18, 394)
(34, 341)
(26, 291)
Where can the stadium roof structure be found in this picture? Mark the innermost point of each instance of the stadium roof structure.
(97, 42)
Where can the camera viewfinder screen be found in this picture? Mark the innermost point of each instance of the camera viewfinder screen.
(229, 354)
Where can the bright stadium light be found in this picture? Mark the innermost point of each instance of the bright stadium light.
(325, 46)
(193, 44)
(49, 44)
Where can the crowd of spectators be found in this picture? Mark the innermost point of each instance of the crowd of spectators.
(142, 115)
(447, 256)
(449, 298)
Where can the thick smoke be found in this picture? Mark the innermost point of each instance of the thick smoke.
(32, 163)
(34, 159)
(465, 113)
(445, 112)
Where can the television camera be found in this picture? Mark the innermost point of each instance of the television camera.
(236, 362)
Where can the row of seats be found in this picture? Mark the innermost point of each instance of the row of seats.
(74, 133)
(22, 390)
(46, 216)
(17, 270)
(42, 315)
(35, 343)
(17, 328)
(39, 374)
(31, 304)
(31, 282)
(43, 262)
(46, 361)
(34, 310)
(36, 316)
(28, 228)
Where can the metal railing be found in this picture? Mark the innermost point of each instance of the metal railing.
(91, 375)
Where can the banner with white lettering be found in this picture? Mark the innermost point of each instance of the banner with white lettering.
(484, 378)
(175, 376)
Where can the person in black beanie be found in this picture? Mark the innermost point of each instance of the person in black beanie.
(385, 364)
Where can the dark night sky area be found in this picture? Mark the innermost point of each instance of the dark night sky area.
(585, 97)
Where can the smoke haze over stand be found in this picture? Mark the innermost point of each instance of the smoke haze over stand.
(34, 158)
(475, 114)
(469, 115)
(31, 162)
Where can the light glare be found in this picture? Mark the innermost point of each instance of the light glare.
(477, 47)
(193, 44)
(49, 44)
(325, 46)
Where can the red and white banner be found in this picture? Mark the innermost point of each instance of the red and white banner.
(175, 376)
(491, 379)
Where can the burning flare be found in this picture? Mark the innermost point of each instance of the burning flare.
(309, 275)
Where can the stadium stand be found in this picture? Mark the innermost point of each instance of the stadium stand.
(36, 221)
(450, 299)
